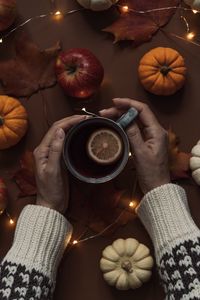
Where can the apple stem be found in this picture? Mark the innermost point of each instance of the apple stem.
(71, 69)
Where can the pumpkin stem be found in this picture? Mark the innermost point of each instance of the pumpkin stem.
(165, 70)
(127, 266)
(1, 121)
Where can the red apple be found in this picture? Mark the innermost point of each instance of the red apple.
(79, 72)
(7, 13)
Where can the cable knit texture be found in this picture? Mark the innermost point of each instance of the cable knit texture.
(166, 216)
(28, 271)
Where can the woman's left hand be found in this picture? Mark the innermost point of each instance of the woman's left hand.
(48, 170)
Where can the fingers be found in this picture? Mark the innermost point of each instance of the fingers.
(41, 153)
(41, 158)
(150, 125)
(135, 138)
(145, 114)
(56, 150)
(111, 113)
(65, 124)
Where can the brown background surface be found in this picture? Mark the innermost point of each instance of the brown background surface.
(79, 277)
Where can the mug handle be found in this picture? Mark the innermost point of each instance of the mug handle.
(126, 119)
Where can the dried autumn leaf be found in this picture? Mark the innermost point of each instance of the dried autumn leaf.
(97, 208)
(24, 177)
(179, 161)
(3, 195)
(30, 70)
(141, 27)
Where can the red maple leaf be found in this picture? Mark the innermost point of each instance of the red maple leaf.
(141, 27)
(24, 177)
(30, 70)
(178, 161)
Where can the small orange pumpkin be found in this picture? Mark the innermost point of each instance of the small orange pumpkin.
(162, 71)
(13, 122)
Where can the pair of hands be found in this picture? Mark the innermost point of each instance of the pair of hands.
(149, 144)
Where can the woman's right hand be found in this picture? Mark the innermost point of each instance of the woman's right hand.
(149, 144)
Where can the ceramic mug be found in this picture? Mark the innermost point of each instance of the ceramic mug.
(75, 153)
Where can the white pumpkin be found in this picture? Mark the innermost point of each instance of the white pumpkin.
(126, 264)
(97, 5)
(195, 163)
(194, 4)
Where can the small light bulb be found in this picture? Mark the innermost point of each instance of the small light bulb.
(195, 11)
(131, 204)
(83, 109)
(190, 35)
(75, 242)
(57, 13)
(11, 221)
(1, 41)
(125, 8)
(129, 154)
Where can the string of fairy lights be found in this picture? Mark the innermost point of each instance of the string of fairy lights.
(130, 206)
(11, 221)
(57, 15)
(189, 36)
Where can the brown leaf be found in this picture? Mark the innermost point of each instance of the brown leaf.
(97, 208)
(30, 70)
(141, 27)
(3, 195)
(24, 177)
(179, 161)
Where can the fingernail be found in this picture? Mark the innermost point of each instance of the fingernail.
(102, 111)
(60, 134)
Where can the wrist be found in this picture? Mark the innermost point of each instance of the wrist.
(41, 237)
(147, 188)
(165, 214)
(55, 206)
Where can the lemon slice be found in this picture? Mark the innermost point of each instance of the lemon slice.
(104, 146)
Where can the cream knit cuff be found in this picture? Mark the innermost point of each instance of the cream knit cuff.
(40, 239)
(166, 216)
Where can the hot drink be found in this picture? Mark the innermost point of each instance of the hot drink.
(87, 164)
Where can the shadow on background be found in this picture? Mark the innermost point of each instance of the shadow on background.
(167, 104)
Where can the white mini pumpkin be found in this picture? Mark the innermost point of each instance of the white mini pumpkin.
(194, 4)
(97, 5)
(126, 264)
(195, 163)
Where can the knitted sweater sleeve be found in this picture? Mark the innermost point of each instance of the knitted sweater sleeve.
(28, 270)
(166, 216)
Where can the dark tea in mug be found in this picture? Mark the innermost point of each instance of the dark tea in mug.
(75, 152)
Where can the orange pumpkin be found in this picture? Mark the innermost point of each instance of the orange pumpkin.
(162, 71)
(13, 121)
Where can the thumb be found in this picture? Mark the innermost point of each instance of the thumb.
(135, 138)
(56, 148)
